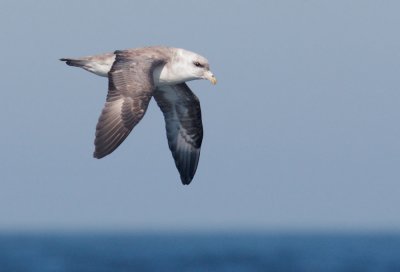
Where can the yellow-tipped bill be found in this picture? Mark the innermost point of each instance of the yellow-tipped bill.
(213, 80)
(210, 76)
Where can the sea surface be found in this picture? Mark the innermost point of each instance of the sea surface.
(230, 252)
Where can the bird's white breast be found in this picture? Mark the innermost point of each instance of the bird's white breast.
(171, 74)
(162, 75)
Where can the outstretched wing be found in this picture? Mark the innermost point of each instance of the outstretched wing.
(130, 87)
(182, 113)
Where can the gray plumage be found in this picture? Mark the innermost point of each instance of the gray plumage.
(130, 88)
(182, 113)
(135, 76)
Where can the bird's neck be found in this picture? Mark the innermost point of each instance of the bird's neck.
(168, 75)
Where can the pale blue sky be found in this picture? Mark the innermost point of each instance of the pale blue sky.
(302, 130)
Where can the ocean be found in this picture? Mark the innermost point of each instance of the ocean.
(228, 252)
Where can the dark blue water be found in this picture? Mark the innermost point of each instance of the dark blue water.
(199, 252)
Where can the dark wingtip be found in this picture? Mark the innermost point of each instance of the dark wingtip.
(97, 155)
(186, 180)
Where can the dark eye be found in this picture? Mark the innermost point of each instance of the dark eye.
(197, 64)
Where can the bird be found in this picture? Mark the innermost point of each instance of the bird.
(134, 77)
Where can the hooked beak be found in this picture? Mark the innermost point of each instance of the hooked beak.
(210, 76)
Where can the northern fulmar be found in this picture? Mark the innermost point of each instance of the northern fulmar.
(137, 75)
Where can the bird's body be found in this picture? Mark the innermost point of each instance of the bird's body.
(137, 75)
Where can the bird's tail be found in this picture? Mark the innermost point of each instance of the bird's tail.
(99, 65)
(74, 62)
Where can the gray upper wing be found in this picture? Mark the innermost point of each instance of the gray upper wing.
(130, 88)
(182, 113)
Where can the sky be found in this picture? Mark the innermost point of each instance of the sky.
(301, 132)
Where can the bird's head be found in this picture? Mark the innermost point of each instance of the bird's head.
(194, 66)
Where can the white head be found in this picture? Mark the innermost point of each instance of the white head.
(186, 66)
